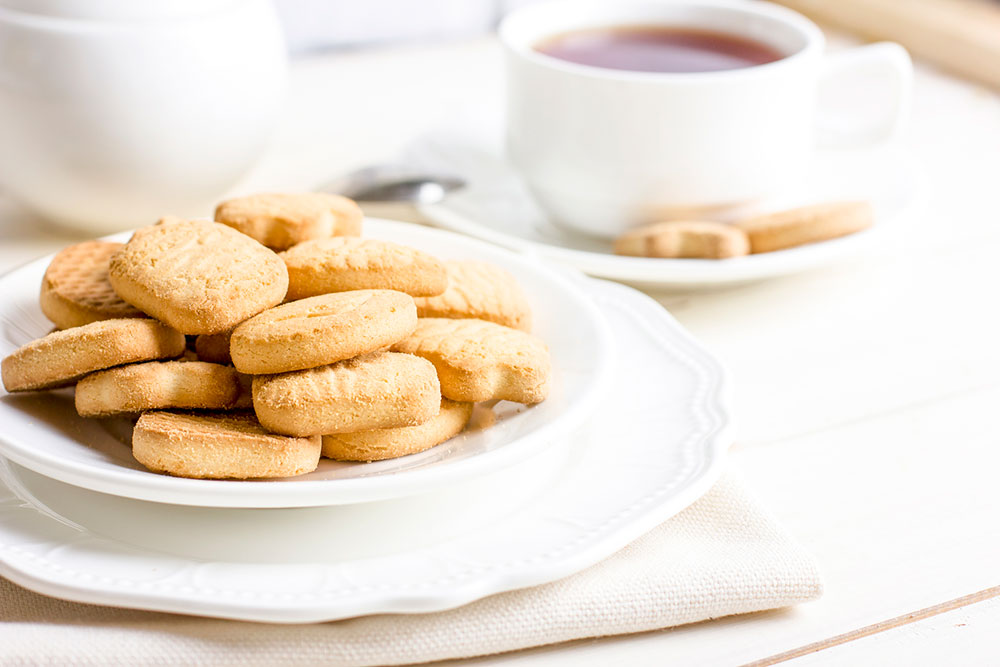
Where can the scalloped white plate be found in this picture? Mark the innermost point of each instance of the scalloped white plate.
(42, 431)
(651, 448)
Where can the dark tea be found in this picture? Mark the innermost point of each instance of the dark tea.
(658, 49)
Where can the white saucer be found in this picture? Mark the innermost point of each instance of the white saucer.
(42, 431)
(650, 448)
(497, 207)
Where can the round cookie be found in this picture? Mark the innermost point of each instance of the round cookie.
(381, 390)
(808, 224)
(62, 357)
(321, 330)
(157, 385)
(482, 291)
(198, 277)
(76, 289)
(390, 443)
(345, 263)
(279, 221)
(228, 445)
(684, 238)
(478, 360)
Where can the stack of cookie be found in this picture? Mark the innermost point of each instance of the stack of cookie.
(304, 340)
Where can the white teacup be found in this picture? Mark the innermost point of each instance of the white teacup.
(604, 150)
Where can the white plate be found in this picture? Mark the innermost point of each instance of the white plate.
(41, 431)
(652, 447)
(496, 206)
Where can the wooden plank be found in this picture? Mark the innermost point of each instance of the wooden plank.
(903, 327)
(963, 636)
(881, 626)
(959, 35)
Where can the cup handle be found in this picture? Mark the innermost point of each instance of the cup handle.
(887, 62)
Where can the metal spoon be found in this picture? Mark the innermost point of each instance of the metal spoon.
(394, 183)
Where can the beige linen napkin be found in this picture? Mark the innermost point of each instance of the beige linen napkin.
(723, 555)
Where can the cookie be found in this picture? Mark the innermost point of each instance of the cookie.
(346, 263)
(157, 385)
(809, 224)
(198, 277)
(219, 446)
(381, 390)
(684, 239)
(481, 291)
(279, 221)
(390, 443)
(478, 360)
(321, 330)
(76, 289)
(214, 347)
(62, 357)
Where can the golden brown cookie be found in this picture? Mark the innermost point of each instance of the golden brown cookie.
(279, 221)
(198, 277)
(381, 390)
(62, 357)
(76, 289)
(390, 443)
(684, 239)
(345, 263)
(228, 445)
(478, 360)
(214, 347)
(482, 291)
(809, 224)
(321, 330)
(157, 385)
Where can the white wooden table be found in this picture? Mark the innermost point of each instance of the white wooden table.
(867, 393)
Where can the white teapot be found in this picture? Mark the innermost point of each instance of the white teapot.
(115, 112)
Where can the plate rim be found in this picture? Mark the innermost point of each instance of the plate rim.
(316, 493)
(651, 512)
